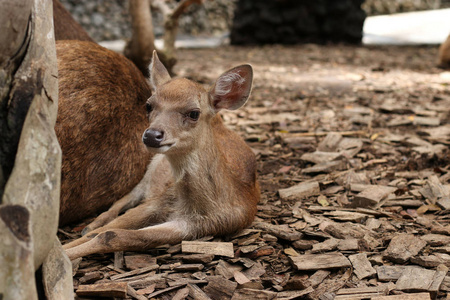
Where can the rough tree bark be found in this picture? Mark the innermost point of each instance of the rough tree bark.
(140, 48)
(444, 54)
(30, 156)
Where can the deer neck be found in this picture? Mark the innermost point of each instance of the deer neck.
(196, 174)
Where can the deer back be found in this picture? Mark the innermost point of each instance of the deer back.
(101, 117)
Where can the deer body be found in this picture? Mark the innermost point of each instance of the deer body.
(202, 179)
(101, 117)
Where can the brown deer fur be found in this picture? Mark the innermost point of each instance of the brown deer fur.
(66, 28)
(444, 54)
(202, 179)
(101, 117)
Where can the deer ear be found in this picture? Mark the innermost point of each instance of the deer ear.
(232, 88)
(158, 73)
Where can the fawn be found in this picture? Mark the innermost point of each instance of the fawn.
(201, 180)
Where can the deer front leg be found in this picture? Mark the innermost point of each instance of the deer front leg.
(171, 232)
(112, 213)
(132, 199)
(141, 216)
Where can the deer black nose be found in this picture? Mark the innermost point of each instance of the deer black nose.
(153, 138)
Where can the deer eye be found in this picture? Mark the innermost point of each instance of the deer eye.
(148, 107)
(194, 115)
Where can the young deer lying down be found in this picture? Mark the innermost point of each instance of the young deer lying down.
(202, 179)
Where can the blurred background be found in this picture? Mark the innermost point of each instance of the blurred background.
(284, 21)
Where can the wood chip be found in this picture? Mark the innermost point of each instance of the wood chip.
(148, 290)
(372, 196)
(318, 157)
(444, 203)
(361, 265)
(330, 142)
(348, 245)
(245, 294)
(226, 269)
(280, 231)
(159, 282)
(189, 268)
(436, 240)
(287, 295)
(439, 276)
(181, 294)
(196, 293)
(256, 271)
(157, 293)
(91, 277)
(109, 289)
(300, 191)
(132, 292)
(328, 245)
(318, 277)
(389, 273)
(403, 247)
(414, 279)
(240, 278)
(134, 262)
(325, 167)
(320, 261)
(344, 216)
(215, 248)
(361, 293)
(195, 258)
(118, 259)
(219, 287)
(135, 272)
(431, 261)
(416, 296)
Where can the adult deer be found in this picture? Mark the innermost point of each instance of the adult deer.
(101, 117)
(202, 179)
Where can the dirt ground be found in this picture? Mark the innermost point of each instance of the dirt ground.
(363, 132)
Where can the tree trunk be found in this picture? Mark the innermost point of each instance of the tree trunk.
(30, 156)
(140, 48)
